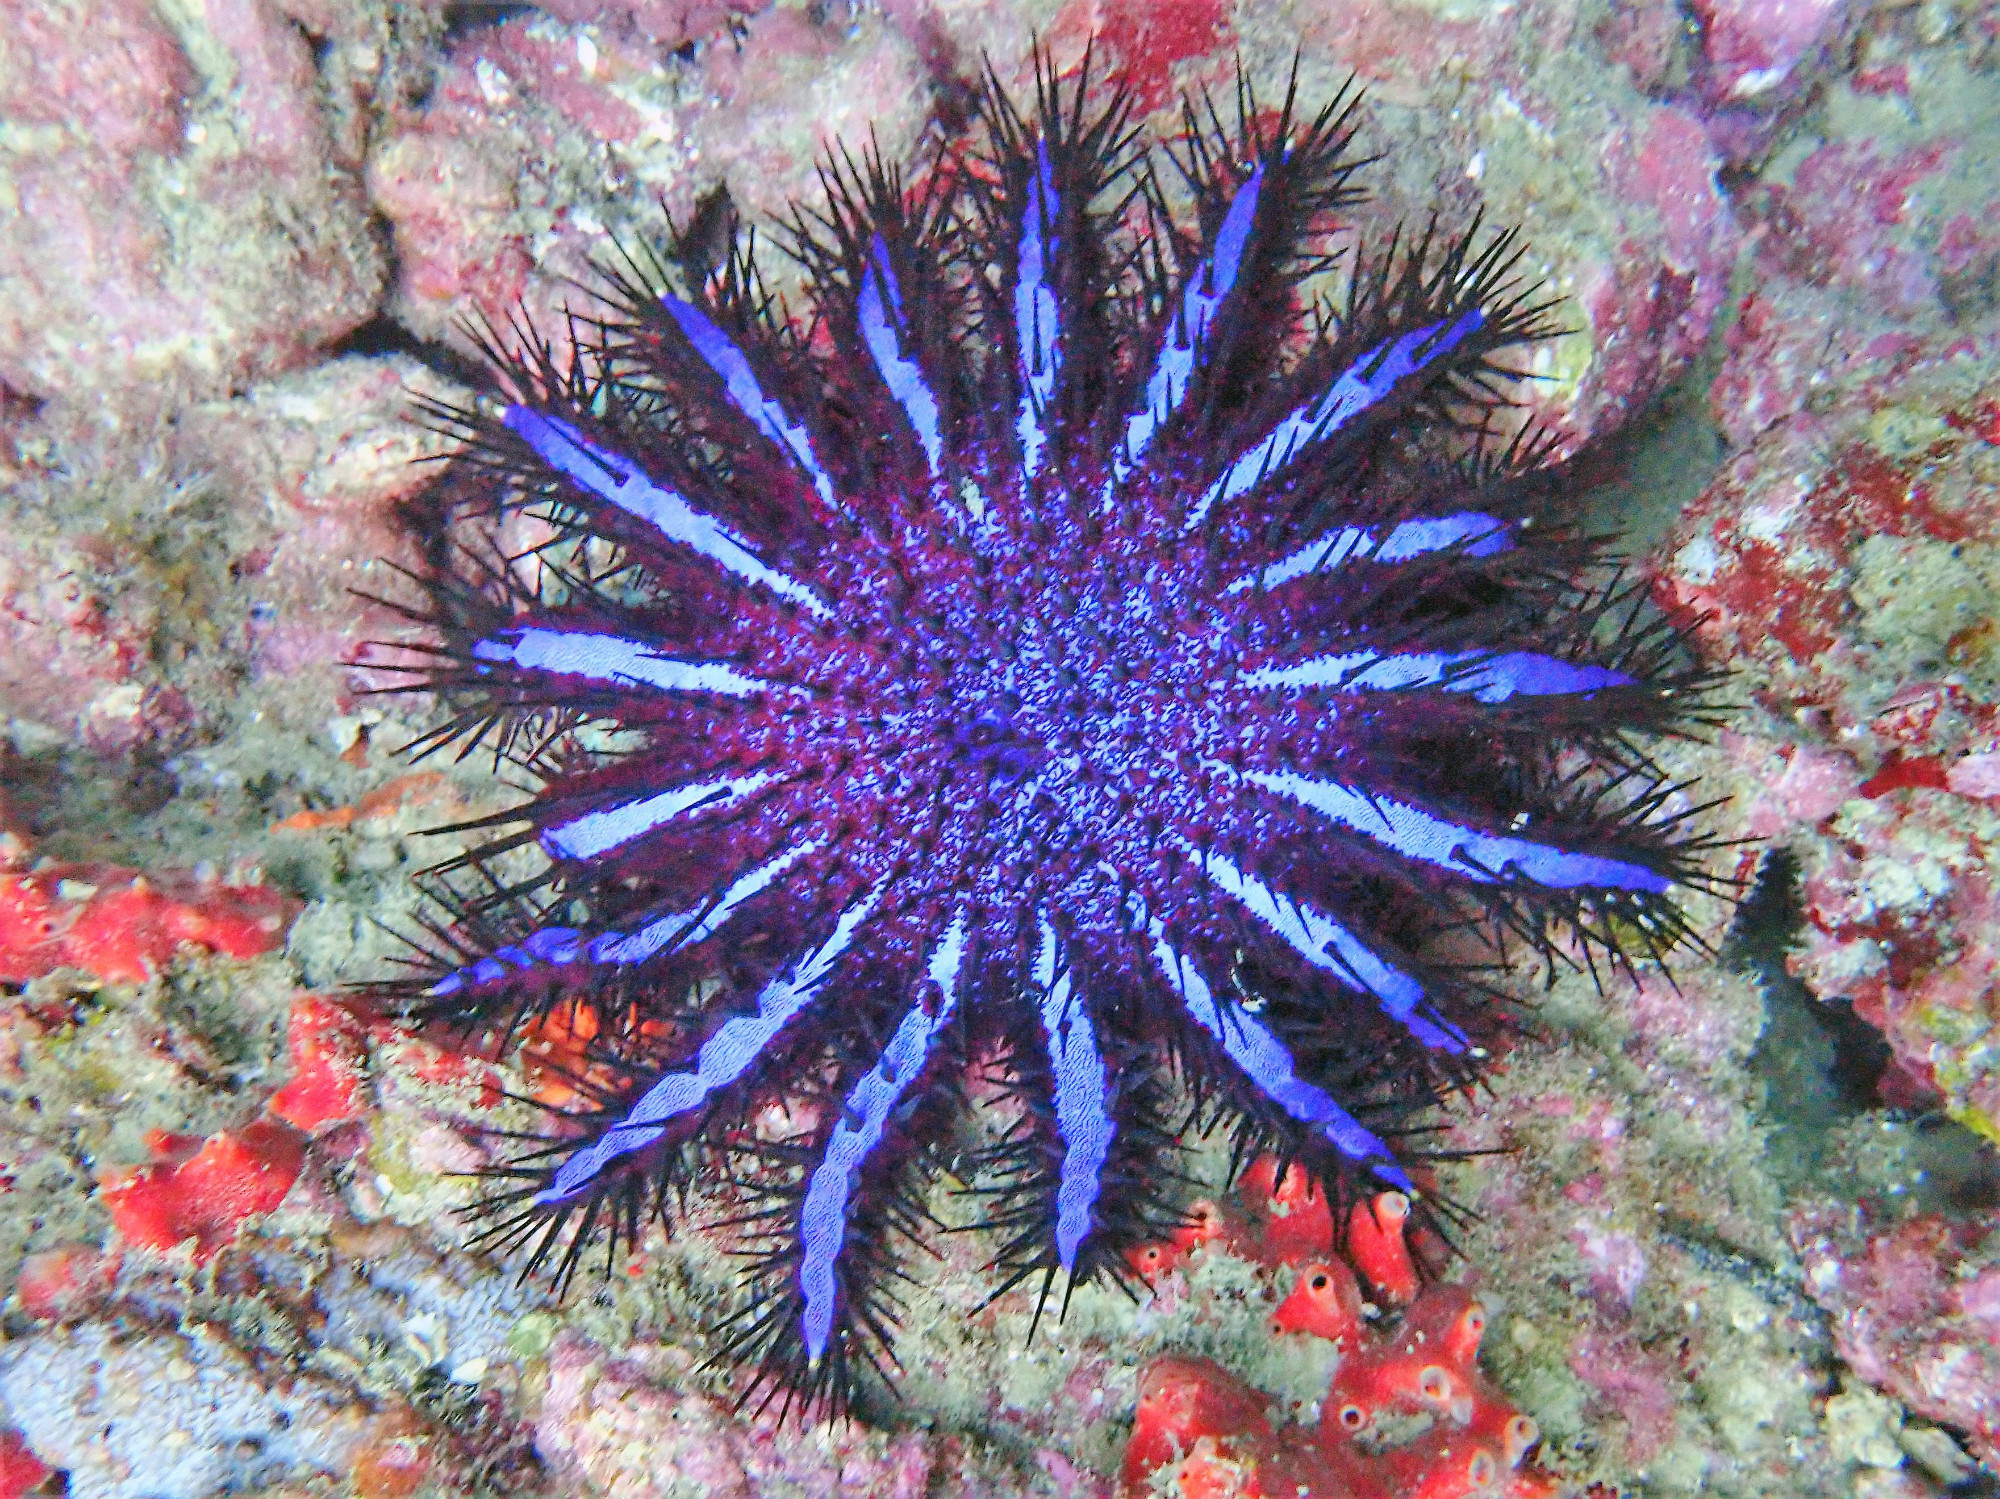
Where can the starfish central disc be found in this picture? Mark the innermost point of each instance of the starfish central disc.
(1049, 707)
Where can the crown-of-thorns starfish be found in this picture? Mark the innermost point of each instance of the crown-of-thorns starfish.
(1071, 652)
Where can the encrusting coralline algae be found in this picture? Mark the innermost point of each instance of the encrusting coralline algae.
(218, 256)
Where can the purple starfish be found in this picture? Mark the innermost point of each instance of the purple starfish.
(1069, 653)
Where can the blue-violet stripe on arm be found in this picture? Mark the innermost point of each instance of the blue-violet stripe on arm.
(601, 831)
(746, 394)
(1351, 394)
(1266, 1062)
(1078, 1068)
(616, 479)
(1326, 944)
(1035, 327)
(1489, 677)
(559, 946)
(1481, 535)
(1174, 365)
(1480, 856)
(863, 1116)
(724, 1057)
(881, 329)
(611, 660)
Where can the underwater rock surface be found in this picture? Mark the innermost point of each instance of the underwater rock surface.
(1721, 1251)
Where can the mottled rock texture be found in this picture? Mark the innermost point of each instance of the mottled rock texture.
(234, 236)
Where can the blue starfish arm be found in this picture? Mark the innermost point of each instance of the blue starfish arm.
(1361, 385)
(979, 595)
(563, 946)
(1480, 535)
(553, 945)
(1077, 1066)
(1489, 676)
(1266, 1061)
(880, 311)
(1180, 350)
(1480, 856)
(607, 828)
(724, 1058)
(610, 661)
(864, 1113)
(685, 929)
(746, 393)
(612, 477)
(1331, 947)
(1036, 325)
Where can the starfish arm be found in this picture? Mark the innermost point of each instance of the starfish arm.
(550, 945)
(724, 1058)
(1486, 858)
(1077, 1066)
(746, 393)
(1265, 1060)
(1181, 349)
(881, 317)
(1480, 534)
(610, 661)
(607, 828)
(685, 929)
(864, 1114)
(1361, 385)
(1036, 325)
(617, 480)
(1327, 945)
(561, 946)
(1489, 677)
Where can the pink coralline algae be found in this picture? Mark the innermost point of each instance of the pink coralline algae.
(621, 1425)
(1650, 305)
(1854, 284)
(1902, 914)
(1774, 550)
(304, 471)
(1752, 46)
(1847, 558)
(174, 205)
(665, 24)
(1915, 1311)
(74, 646)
